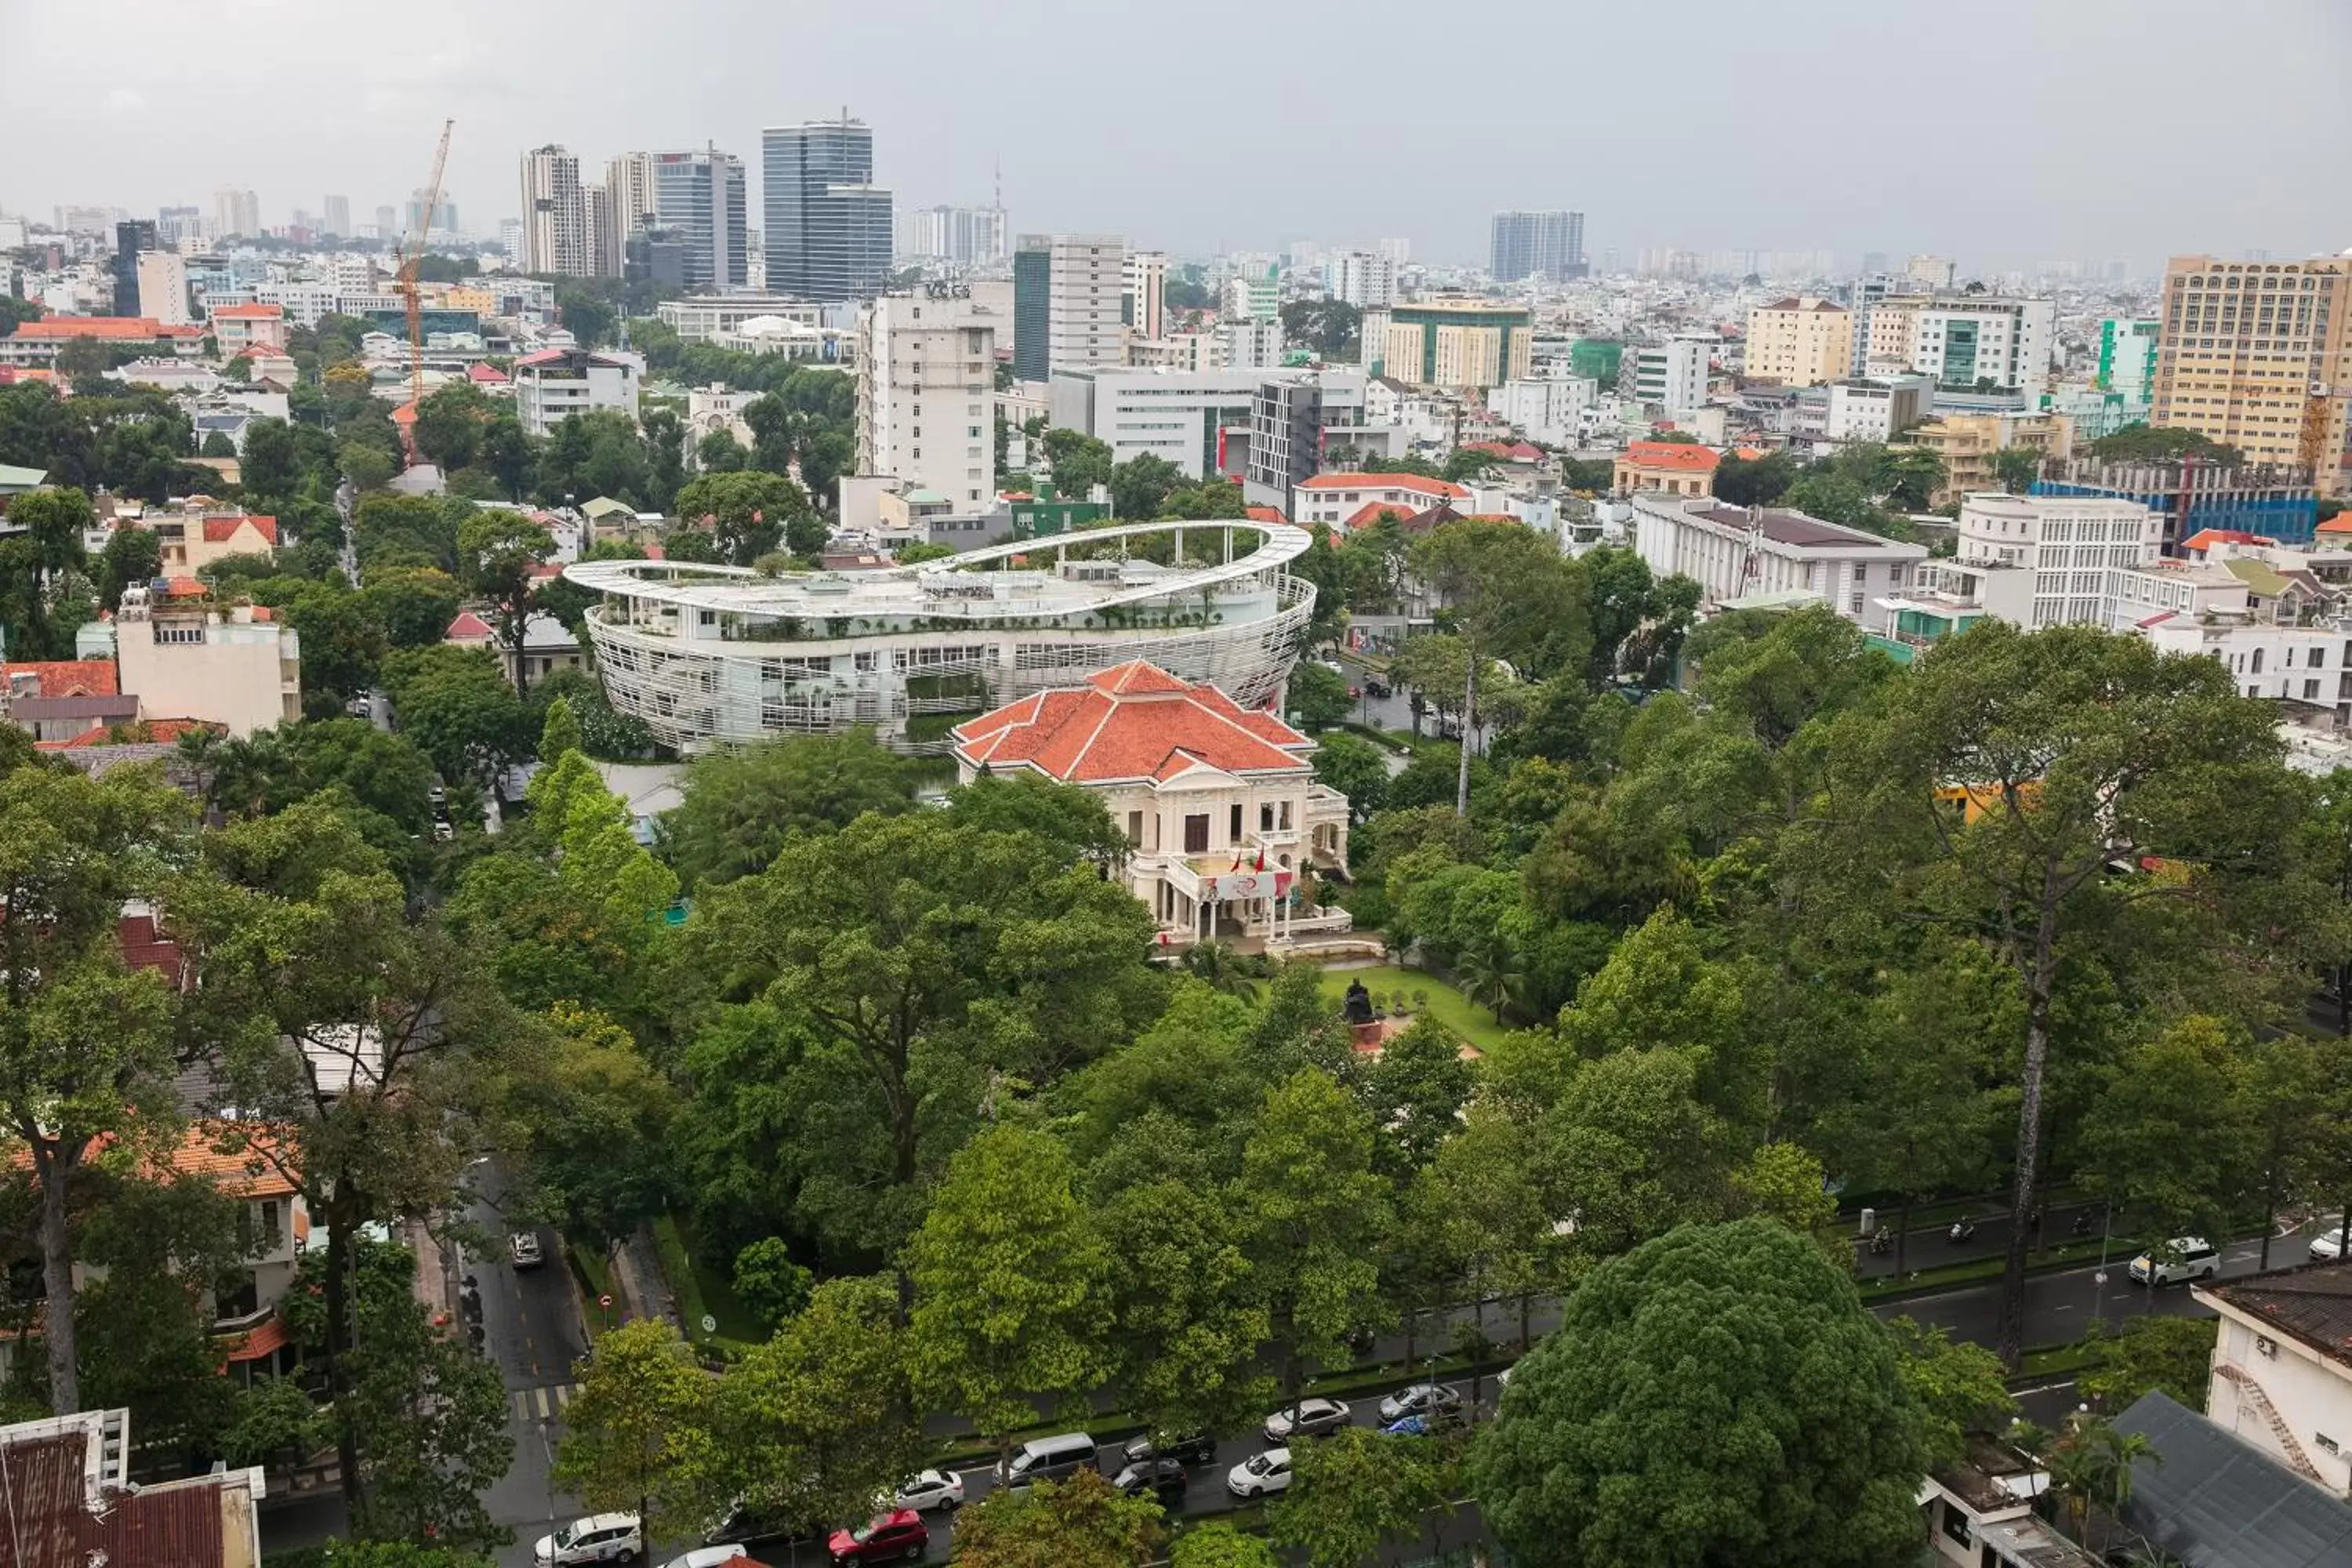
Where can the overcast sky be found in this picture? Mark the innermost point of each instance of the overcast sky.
(2000, 131)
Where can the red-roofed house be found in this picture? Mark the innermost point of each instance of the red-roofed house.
(485, 376)
(1219, 802)
(35, 343)
(238, 328)
(1343, 496)
(1676, 467)
(71, 1501)
(63, 677)
(191, 544)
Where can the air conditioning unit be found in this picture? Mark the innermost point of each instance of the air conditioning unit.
(2264, 1345)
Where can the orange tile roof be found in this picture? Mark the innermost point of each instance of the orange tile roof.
(468, 627)
(1360, 481)
(249, 314)
(1264, 514)
(1132, 722)
(1370, 512)
(221, 529)
(103, 327)
(266, 1340)
(1682, 455)
(250, 1172)
(68, 677)
(2205, 538)
(2340, 523)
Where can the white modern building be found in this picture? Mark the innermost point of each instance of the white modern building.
(1147, 293)
(1672, 375)
(1222, 811)
(1868, 410)
(925, 390)
(717, 655)
(1252, 343)
(553, 384)
(1364, 279)
(185, 656)
(1182, 416)
(1962, 340)
(703, 318)
(1546, 408)
(2070, 544)
(554, 214)
(1070, 292)
(1736, 552)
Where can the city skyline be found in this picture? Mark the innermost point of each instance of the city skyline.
(1131, 173)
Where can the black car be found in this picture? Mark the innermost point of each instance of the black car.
(1191, 1448)
(749, 1528)
(1163, 1477)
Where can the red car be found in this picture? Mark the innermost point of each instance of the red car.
(899, 1534)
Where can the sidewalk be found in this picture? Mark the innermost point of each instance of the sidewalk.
(638, 1278)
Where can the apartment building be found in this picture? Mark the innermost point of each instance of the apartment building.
(1067, 313)
(1147, 293)
(2127, 356)
(1736, 552)
(1364, 279)
(1546, 408)
(554, 214)
(163, 286)
(1547, 245)
(1873, 410)
(1800, 342)
(1968, 442)
(1671, 376)
(553, 385)
(186, 656)
(1460, 345)
(2258, 354)
(925, 390)
(2070, 544)
(243, 329)
(1294, 420)
(1972, 341)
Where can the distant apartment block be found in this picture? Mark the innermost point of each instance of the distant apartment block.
(926, 390)
(1537, 244)
(2258, 354)
(554, 214)
(1458, 345)
(1067, 314)
(1800, 342)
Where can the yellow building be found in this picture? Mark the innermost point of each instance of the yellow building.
(1892, 323)
(1800, 342)
(1450, 343)
(2258, 354)
(470, 296)
(1967, 443)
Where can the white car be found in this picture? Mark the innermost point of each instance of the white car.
(1260, 1476)
(707, 1557)
(928, 1489)
(597, 1538)
(522, 1247)
(1308, 1419)
(2328, 1245)
(2185, 1257)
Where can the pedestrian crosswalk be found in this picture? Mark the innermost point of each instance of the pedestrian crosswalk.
(539, 1403)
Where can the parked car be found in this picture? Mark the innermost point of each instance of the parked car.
(1414, 1427)
(1260, 1476)
(1048, 1459)
(2187, 1258)
(1164, 1479)
(2328, 1245)
(749, 1528)
(928, 1490)
(1191, 1448)
(900, 1533)
(708, 1556)
(1421, 1399)
(523, 1248)
(1308, 1419)
(596, 1538)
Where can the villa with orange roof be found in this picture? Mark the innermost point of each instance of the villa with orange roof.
(1673, 467)
(1219, 802)
(238, 328)
(1355, 500)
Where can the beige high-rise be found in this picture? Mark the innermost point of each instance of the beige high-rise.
(2259, 354)
(1803, 341)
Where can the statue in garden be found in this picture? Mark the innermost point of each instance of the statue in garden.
(1358, 1006)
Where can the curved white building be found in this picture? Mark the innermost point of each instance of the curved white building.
(717, 654)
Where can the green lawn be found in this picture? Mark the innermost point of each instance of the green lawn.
(1446, 1004)
(703, 1285)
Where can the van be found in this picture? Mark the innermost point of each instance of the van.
(1048, 1459)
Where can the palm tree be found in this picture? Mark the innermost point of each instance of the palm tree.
(1223, 966)
(1489, 969)
(2093, 1465)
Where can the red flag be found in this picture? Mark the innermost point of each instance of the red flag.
(1261, 859)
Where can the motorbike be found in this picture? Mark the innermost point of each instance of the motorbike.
(2083, 1223)
(1962, 1229)
(1882, 1242)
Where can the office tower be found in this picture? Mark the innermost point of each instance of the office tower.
(927, 392)
(236, 211)
(2258, 354)
(1066, 290)
(130, 239)
(1982, 341)
(387, 226)
(1537, 245)
(337, 217)
(174, 225)
(1364, 279)
(1147, 293)
(630, 188)
(443, 219)
(827, 223)
(554, 214)
(700, 196)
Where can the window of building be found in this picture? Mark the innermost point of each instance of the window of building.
(1237, 822)
(2311, 692)
(2258, 661)
(1196, 828)
(1135, 827)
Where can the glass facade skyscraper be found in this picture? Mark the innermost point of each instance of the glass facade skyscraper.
(1529, 245)
(699, 198)
(828, 233)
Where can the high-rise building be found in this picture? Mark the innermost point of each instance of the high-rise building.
(1801, 342)
(699, 196)
(1537, 245)
(1671, 376)
(926, 390)
(964, 236)
(606, 242)
(1459, 344)
(336, 218)
(236, 211)
(1398, 251)
(554, 214)
(2128, 358)
(510, 236)
(630, 188)
(1930, 271)
(1067, 291)
(131, 238)
(442, 218)
(164, 287)
(828, 227)
(1147, 293)
(387, 226)
(1972, 341)
(175, 225)
(2258, 354)
(1364, 279)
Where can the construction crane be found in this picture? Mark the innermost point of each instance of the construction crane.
(412, 259)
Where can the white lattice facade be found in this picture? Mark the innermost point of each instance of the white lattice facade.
(713, 656)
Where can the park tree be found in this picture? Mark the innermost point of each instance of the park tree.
(1141, 486)
(449, 421)
(2165, 1138)
(41, 562)
(821, 1418)
(1012, 1285)
(1217, 1545)
(1719, 1395)
(1353, 766)
(750, 513)
(1314, 1211)
(1957, 1390)
(132, 555)
(456, 705)
(2173, 1355)
(719, 453)
(2060, 792)
(87, 1054)
(495, 552)
(1317, 697)
(1077, 1523)
(594, 1116)
(773, 428)
(640, 1435)
(738, 808)
(1354, 1492)
(414, 603)
(1188, 1318)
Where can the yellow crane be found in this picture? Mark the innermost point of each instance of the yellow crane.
(412, 258)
